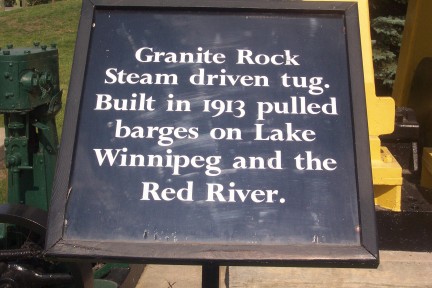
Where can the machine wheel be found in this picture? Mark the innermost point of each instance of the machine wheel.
(22, 263)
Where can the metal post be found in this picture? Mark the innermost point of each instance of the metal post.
(210, 276)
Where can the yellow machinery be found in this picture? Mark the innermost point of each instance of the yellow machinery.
(412, 88)
(413, 81)
(386, 172)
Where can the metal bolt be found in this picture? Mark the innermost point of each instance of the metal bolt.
(9, 46)
(44, 47)
(36, 43)
(6, 52)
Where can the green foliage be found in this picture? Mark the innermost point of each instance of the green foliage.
(9, 3)
(388, 31)
(387, 24)
(37, 2)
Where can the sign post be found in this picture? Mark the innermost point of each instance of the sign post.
(210, 276)
(231, 133)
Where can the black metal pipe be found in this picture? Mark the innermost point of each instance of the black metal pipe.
(18, 254)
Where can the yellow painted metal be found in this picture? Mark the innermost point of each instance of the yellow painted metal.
(386, 172)
(416, 45)
(388, 197)
(387, 180)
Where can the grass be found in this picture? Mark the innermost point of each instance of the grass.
(50, 23)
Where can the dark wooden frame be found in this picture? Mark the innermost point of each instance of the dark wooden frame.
(364, 255)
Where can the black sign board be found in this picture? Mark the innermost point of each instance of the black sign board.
(226, 131)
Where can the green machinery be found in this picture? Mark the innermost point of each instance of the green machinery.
(30, 98)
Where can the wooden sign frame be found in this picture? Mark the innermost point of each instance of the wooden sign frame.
(363, 254)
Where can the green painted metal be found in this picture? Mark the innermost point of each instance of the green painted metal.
(98, 283)
(29, 77)
(30, 97)
(105, 269)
